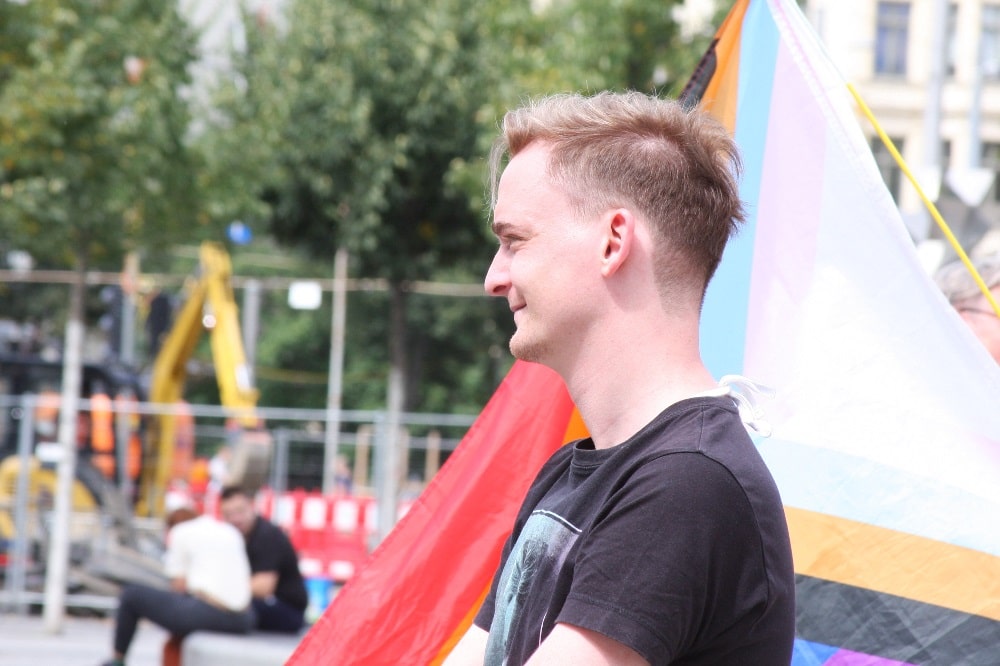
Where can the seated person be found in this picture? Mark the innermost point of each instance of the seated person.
(279, 593)
(209, 580)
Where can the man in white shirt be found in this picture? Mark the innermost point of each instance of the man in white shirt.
(209, 580)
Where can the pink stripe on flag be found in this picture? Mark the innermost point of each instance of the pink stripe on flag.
(789, 207)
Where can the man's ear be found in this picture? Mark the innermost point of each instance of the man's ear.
(619, 236)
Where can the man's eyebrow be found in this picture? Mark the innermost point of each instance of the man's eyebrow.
(499, 228)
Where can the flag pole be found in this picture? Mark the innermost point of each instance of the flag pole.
(945, 229)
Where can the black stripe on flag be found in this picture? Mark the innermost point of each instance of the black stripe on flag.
(892, 627)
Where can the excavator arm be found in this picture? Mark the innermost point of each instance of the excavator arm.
(210, 306)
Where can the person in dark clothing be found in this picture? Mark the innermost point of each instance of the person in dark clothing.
(279, 593)
(660, 539)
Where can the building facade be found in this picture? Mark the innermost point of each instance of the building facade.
(928, 69)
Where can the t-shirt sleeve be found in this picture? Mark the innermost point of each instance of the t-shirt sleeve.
(176, 561)
(653, 566)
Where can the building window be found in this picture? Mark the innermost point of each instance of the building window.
(991, 160)
(887, 166)
(990, 57)
(951, 48)
(891, 37)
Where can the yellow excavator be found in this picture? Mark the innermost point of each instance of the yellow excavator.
(210, 307)
(108, 549)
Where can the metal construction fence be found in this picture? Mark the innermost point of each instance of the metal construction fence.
(362, 455)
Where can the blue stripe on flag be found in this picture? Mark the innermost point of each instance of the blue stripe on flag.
(727, 301)
(839, 484)
(806, 653)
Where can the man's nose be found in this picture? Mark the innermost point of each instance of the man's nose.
(497, 280)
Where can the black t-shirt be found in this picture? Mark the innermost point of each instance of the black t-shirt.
(269, 549)
(673, 543)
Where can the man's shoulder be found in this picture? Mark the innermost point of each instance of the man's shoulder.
(199, 525)
(264, 529)
(202, 530)
(266, 524)
(704, 446)
(706, 425)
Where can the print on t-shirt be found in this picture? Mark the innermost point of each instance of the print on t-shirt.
(535, 560)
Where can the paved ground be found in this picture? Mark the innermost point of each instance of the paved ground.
(83, 642)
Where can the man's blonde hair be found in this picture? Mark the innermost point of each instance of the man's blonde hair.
(678, 168)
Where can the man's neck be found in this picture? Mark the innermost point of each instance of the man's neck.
(618, 394)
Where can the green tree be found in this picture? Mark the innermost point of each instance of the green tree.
(92, 129)
(372, 110)
(93, 161)
(592, 45)
(457, 353)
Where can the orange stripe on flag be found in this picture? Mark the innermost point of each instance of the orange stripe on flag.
(875, 558)
(460, 630)
(575, 429)
(720, 95)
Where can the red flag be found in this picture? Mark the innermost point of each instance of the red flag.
(421, 587)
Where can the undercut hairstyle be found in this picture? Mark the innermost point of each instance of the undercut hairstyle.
(676, 167)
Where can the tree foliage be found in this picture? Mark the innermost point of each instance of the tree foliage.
(370, 112)
(457, 354)
(376, 107)
(592, 45)
(92, 128)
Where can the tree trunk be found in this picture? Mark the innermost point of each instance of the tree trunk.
(393, 467)
(57, 564)
(334, 390)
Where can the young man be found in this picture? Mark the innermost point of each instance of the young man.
(209, 581)
(279, 593)
(661, 539)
